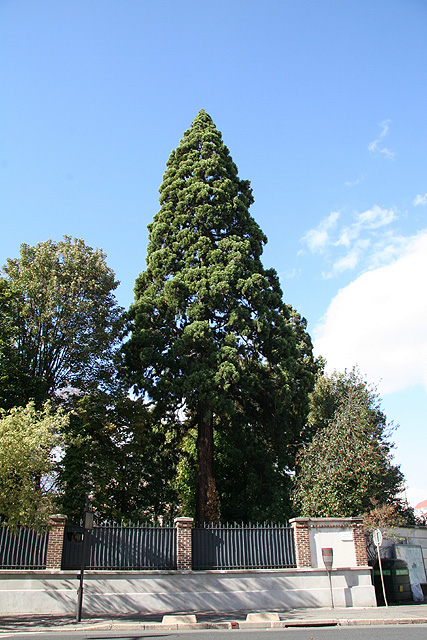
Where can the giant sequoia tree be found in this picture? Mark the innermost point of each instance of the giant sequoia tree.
(212, 340)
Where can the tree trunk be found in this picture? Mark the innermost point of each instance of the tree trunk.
(207, 502)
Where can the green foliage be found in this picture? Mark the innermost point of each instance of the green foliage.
(211, 336)
(11, 375)
(28, 439)
(348, 463)
(64, 321)
(304, 374)
(186, 474)
(120, 458)
(253, 482)
(252, 486)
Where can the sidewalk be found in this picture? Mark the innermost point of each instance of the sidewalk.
(394, 614)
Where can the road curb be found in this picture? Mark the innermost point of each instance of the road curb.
(224, 625)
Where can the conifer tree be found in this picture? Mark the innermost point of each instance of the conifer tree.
(212, 338)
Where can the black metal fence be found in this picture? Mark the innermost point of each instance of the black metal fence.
(22, 548)
(253, 546)
(115, 546)
(147, 546)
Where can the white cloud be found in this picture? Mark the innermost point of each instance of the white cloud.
(379, 322)
(389, 247)
(318, 239)
(352, 183)
(345, 238)
(376, 145)
(375, 218)
(420, 199)
(289, 275)
(349, 261)
(363, 239)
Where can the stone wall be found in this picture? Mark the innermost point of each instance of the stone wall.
(117, 593)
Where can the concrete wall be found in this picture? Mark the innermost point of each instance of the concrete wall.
(118, 593)
(332, 533)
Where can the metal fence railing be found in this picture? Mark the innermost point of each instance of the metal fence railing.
(22, 548)
(148, 546)
(233, 546)
(116, 546)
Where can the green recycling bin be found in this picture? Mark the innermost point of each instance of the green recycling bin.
(396, 581)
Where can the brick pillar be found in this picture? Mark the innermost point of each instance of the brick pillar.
(55, 542)
(302, 541)
(359, 542)
(183, 543)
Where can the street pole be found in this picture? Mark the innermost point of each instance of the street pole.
(328, 559)
(88, 525)
(378, 540)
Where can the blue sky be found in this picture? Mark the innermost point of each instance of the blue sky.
(322, 104)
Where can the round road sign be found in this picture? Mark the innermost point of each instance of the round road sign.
(377, 537)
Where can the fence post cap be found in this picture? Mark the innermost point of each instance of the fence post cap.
(58, 517)
(183, 520)
(299, 520)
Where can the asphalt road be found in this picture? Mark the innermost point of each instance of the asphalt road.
(388, 632)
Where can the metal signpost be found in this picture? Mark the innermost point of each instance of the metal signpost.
(377, 537)
(328, 559)
(88, 526)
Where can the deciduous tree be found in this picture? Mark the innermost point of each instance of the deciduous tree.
(28, 439)
(119, 457)
(65, 323)
(348, 463)
(13, 380)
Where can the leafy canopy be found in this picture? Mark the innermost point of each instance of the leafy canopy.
(28, 439)
(118, 456)
(348, 463)
(64, 320)
(11, 376)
